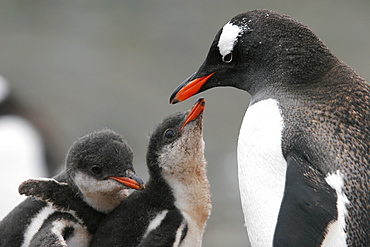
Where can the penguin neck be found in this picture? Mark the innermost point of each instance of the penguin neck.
(159, 192)
(191, 192)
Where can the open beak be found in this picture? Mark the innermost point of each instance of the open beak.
(195, 111)
(188, 88)
(131, 180)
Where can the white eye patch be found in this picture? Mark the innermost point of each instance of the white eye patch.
(228, 39)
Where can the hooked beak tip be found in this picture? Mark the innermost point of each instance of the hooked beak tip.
(174, 101)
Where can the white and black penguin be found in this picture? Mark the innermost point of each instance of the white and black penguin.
(68, 208)
(303, 148)
(175, 205)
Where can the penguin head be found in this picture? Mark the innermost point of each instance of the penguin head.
(100, 164)
(255, 50)
(176, 145)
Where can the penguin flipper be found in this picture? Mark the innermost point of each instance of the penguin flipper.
(60, 230)
(170, 232)
(308, 205)
(45, 237)
(63, 198)
(48, 190)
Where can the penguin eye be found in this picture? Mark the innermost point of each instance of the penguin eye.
(227, 58)
(169, 133)
(96, 170)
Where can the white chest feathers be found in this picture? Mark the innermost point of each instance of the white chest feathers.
(261, 170)
(336, 234)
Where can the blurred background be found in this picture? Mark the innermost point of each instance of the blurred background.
(76, 66)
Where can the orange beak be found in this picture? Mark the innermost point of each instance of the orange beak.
(131, 181)
(189, 89)
(195, 111)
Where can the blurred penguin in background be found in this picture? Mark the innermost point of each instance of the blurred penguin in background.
(26, 148)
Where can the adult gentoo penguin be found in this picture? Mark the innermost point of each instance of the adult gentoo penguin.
(303, 148)
(175, 205)
(78, 198)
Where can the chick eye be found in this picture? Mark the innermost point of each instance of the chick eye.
(227, 58)
(96, 170)
(169, 133)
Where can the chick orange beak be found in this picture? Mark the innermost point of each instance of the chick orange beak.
(195, 111)
(188, 89)
(131, 181)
